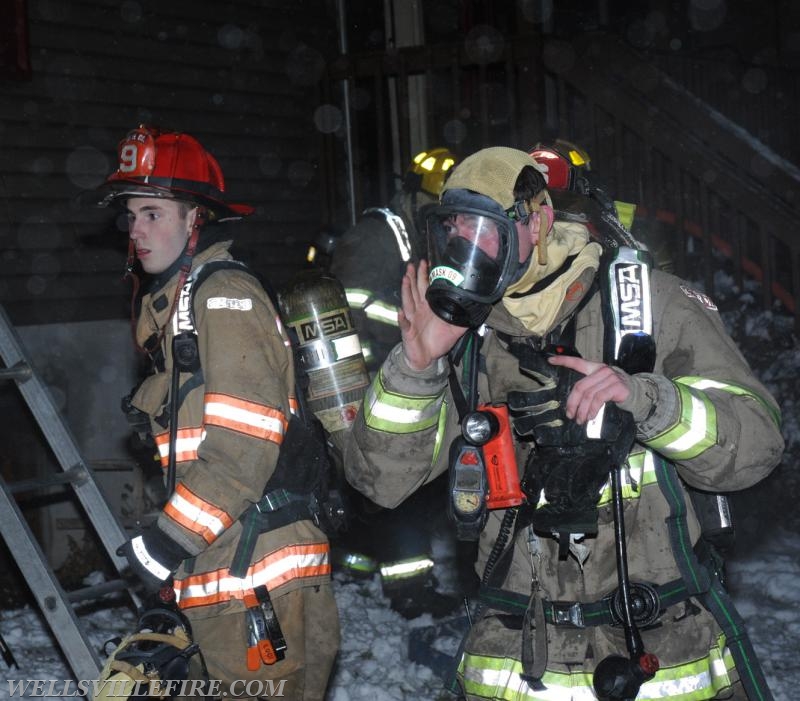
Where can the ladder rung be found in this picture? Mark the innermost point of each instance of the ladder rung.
(20, 371)
(95, 591)
(74, 475)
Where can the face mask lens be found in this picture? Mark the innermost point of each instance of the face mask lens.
(480, 231)
(469, 249)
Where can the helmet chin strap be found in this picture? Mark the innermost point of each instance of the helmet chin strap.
(542, 205)
(201, 214)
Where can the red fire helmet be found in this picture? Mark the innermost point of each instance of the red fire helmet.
(172, 165)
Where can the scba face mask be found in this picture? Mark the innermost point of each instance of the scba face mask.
(473, 250)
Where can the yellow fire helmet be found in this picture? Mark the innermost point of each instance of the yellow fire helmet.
(428, 171)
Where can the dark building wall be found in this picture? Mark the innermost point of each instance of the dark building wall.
(241, 76)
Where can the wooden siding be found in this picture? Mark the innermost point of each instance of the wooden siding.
(240, 76)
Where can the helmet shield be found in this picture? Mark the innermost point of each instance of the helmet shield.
(473, 248)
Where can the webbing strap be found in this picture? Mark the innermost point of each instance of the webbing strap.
(275, 509)
(576, 614)
(707, 587)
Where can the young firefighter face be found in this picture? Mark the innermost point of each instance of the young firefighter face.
(159, 229)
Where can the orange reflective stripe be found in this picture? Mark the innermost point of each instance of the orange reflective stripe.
(197, 515)
(257, 420)
(186, 445)
(273, 570)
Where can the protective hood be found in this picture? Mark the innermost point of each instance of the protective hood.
(538, 310)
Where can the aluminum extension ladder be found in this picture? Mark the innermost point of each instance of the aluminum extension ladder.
(55, 603)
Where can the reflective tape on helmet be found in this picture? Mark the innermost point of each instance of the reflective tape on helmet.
(397, 413)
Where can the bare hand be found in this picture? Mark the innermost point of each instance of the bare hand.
(426, 337)
(601, 384)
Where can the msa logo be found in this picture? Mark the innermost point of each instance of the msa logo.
(629, 292)
(184, 320)
(327, 326)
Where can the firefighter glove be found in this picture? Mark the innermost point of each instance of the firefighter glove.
(153, 557)
(539, 413)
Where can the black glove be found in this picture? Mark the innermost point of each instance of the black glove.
(567, 465)
(540, 412)
(153, 557)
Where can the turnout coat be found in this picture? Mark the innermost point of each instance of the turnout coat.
(232, 420)
(713, 421)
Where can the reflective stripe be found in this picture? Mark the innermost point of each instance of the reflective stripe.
(640, 471)
(500, 678)
(397, 413)
(197, 515)
(696, 428)
(405, 569)
(398, 227)
(382, 312)
(273, 570)
(186, 444)
(257, 420)
(702, 383)
(147, 561)
(375, 309)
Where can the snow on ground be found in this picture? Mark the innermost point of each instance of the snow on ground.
(373, 664)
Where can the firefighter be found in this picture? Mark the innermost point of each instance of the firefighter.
(249, 568)
(590, 587)
(577, 188)
(370, 258)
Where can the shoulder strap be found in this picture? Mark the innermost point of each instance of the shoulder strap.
(198, 277)
(398, 228)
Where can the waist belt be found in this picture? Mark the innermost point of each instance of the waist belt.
(275, 509)
(648, 603)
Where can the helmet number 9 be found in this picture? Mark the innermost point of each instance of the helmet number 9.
(128, 158)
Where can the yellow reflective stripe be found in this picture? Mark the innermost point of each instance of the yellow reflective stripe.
(696, 429)
(375, 309)
(625, 213)
(703, 383)
(398, 413)
(500, 678)
(382, 312)
(440, 429)
(356, 297)
(641, 471)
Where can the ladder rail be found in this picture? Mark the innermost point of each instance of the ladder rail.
(56, 604)
(63, 444)
(49, 594)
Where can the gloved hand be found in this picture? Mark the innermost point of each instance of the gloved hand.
(540, 412)
(153, 557)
